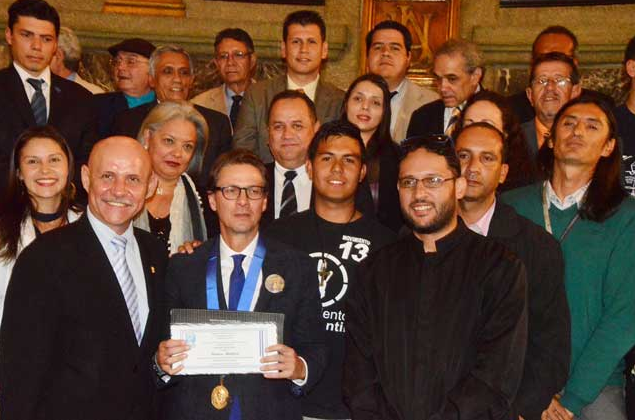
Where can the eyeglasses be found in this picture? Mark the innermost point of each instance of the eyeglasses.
(232, 192)
(430, 182)
(129, 61)
(543, 81)
(236, 55)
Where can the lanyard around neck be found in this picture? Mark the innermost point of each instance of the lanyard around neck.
(545, 214)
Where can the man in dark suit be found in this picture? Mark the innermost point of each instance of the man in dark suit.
(553, 81)
(30, 95)
(237, 192)
(171, 77)
(551, 39)
(482, 152)
(131, 71)
(81, 318)
(458, 68)
(304, 48)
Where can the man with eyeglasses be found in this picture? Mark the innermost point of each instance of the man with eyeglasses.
(172, 77)
(436, 326)
(553, 81)
(31, 95)
(131, 72)
(238, 194)
(482, 151)
(458, 69)
(304, 49)
(235, 59)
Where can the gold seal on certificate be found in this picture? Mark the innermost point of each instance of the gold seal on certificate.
(220, 396)
(274, 283)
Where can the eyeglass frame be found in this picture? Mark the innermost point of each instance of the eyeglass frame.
(263, 191)
(560, 82)
(236, 55)
(425, 181)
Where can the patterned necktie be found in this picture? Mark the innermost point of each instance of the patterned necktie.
(233, 112)
(128, 288)
(236, 282)
(454, 118)
(38, 102)
(288, 203)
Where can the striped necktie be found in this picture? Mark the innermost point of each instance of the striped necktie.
(38, 102)
(454, 118)
(128, 288)
(288, 203)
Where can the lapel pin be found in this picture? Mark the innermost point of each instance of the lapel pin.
(152, 269)
(274, 283)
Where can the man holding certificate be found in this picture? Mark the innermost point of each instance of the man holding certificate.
(241, 271)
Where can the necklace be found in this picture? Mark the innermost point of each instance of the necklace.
(323, 266)
(46, 217)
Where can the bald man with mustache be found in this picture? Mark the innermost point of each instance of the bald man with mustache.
(82, 317)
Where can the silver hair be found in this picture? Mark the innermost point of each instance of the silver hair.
(468, 50)
(156, 55)
(68, 42)
(179, 110)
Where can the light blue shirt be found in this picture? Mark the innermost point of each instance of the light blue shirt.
(133, 258)
(229, 95)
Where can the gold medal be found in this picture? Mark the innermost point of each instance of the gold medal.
(220, 396)
(274, 283)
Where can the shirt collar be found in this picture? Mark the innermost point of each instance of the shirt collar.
(301, 170)
(226, 252)
(481, 226)
(309, 89)
(104, 232)
(541, 130)
(573, 198)
(24, 75)
(400, 91)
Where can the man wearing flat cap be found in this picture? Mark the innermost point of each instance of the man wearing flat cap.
(131, 71)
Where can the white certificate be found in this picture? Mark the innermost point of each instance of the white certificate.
(220, 348)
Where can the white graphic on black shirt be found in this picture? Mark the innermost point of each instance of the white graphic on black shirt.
(629, 179)
(332, 278)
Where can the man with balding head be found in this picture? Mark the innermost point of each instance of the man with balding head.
(81, 319)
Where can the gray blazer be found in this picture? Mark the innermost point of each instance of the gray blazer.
(414, 98)
(251, 128)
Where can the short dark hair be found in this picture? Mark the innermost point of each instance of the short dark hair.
(605, 192)
(556, 30)
(293, 94)
(389, 24)
(38, 9)
(488, 126)
(555, 56)
(235, 157)
(629, 53)
(303, 18)
(236, 34)
(337, 128)
(441, 145)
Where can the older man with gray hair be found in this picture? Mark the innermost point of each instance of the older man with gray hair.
(65, 62)
(171, 77)
(458, 69)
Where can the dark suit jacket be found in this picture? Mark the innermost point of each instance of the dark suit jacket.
(531, 137)
(548, 347)
(67, 343)
(427, 120)
(69, 113)
(251, 130)
(269, 215)
(260, 398)
(128, 123)
(107, 106)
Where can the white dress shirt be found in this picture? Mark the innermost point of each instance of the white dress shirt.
(309, 89)
(447, 112)
(30, 91)
(396, 102)
(133, 258)
(301, 183)
(573, 198)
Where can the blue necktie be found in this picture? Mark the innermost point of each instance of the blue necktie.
(38, 102)
(236, 284)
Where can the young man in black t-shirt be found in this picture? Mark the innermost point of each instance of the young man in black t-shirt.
(338, 238)
(625, 116)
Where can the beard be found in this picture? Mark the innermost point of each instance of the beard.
(444, 216)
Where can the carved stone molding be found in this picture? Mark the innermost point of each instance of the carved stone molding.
(174, 8)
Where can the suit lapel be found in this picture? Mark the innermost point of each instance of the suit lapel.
(270, 266)
(57, 102)
(322, 101)
(218, 100)
(16, 91)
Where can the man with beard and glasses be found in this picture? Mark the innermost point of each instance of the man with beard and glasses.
(447, 340)
(482, 150)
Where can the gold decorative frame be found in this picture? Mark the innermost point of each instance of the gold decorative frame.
(431, 23)
(173, 8)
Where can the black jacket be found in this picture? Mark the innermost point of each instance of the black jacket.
(427, 120)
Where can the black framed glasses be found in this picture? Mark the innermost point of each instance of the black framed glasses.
(232, 192)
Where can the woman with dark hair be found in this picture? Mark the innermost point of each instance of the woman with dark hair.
(175, 135)
(39, 195)
(367, 105)
(583, 205)
(490, 107)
